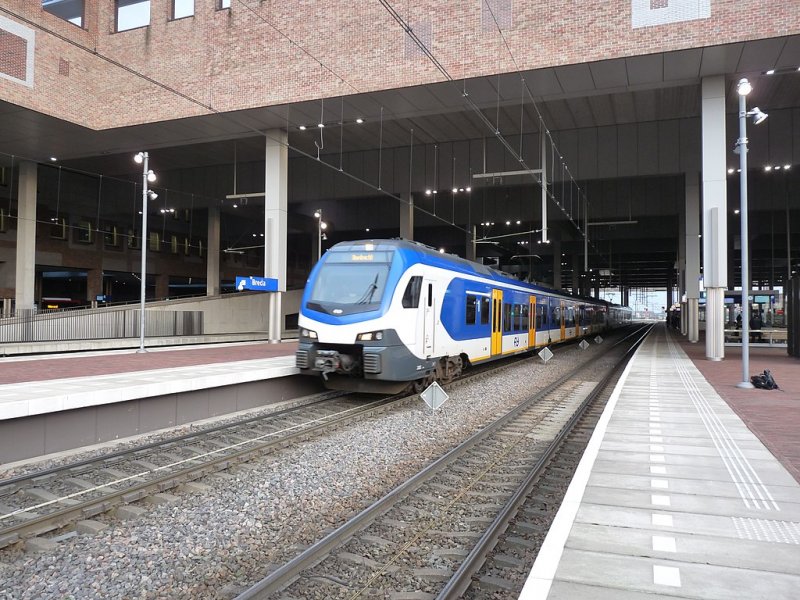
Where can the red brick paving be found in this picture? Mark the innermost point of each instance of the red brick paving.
(60, 366)
(772, 415)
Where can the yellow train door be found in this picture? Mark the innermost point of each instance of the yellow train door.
(497, 322)
(563, 320)
(532, 322)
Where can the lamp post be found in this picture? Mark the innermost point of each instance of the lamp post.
(744, 88)
(321, 225)
(147, 176)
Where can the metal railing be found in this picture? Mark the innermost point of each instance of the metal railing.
(96, 324)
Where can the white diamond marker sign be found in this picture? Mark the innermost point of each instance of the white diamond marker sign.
(583, 345)
(545, 354)
(434, 395)
(598, 340)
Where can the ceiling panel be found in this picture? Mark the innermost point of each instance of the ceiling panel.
(645, 69)
(581, 111)
(575, 78)
(682, 65)
(602, 109)
(609, 74)
(790, 54)
(720, 59)
(760, 55)
(543, 83)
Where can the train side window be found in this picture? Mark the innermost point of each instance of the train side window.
(507, 311)
(430, 294)
(484, 311)
(525, 318)
(540, 315)
(411, 295)
(471, 310)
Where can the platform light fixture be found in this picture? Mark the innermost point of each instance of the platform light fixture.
(148, 176)
(743, 88)
(321, 226)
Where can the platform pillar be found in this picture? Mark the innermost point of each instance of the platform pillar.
(692, 255)
(715, 225)
(471, 253)
(576, 271)
(26, 236)
(407, 217)
(276, 177)
(555, 244)
(212, 260)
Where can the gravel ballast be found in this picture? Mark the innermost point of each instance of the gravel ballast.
(215, 544)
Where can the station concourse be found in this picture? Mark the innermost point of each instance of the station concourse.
(619, 151)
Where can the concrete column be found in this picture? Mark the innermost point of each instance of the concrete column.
(715, 225)
(626, 296)
(681, 266)
(407, 217)
(692, 255)
(276, 177)
(26, 236)
(576, 274)
(555, 243)
(162, 285)
(471, 236)
(94, 284)
(212, 258)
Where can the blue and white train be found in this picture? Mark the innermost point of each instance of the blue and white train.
(383, 315)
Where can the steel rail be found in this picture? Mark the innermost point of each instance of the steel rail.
(288, 572)
(89, 508)
(180, 438)
(462, 578)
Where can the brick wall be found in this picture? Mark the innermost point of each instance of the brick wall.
(236, 59)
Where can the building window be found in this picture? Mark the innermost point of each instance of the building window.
(133, 239)
(84, 234)
(111, 236)
(69, 10)
(58, 228)
(132, 14)
(2, 220)
(182, 8)
(223, 4)
(155, 242)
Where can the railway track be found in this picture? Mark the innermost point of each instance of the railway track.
(37, 503)
(430, 536)
(45, 501)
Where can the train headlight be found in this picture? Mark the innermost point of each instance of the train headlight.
(308, 334)
(369, 337)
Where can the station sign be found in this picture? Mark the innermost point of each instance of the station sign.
(258, 284)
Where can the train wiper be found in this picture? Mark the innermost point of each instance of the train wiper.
(367, 297)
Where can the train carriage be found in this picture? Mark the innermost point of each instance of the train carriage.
(382, 315)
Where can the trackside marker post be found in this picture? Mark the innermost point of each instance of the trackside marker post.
(434, 396)
(545, 354)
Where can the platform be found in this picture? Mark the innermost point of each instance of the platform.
(675, 497)
(56, 402)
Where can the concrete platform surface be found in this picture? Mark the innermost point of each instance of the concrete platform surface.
(675, 496)
(35, 385)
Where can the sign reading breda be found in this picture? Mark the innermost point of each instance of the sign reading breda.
(259, 284)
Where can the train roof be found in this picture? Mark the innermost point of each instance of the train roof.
(431, 256)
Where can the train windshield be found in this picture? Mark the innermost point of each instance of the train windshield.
(350, 282)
